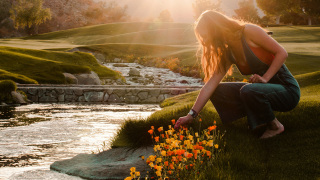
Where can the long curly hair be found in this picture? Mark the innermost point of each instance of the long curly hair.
(213, 30)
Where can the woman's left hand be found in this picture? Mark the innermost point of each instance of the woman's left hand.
(257, 79)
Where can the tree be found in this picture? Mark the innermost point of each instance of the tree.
(277, 8)
(311, 8)
(5, 6)
(29, 14)
(247, 11)
(67, 14)
(116, 13)
(200, 6)
(165, 16)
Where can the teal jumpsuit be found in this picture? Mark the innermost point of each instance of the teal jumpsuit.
(257, 101)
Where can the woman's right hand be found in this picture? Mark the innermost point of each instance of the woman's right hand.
(183, 121)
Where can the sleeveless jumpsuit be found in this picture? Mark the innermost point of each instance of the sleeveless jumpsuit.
(257, 101)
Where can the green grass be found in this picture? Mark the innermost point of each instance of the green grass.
(32, 66)
(155, 33)
(16, 77)
(291, 155)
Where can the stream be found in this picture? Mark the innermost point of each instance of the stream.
(151, 76)
(34, 136)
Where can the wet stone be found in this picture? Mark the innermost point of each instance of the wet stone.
(32, 91)
(143, 95)
(161, 98)
(105, 97)
(61, 98)
(155, 92)
(175, 91)
(41, 92)
(114, 98)
(130, 99)
(109, 91)
(94, 96)
(120, 92)
(69, 91)
(70, 98)
(48, 99)
(78, 92)
(60, 90)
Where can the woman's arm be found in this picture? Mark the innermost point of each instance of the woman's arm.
(204, 95)
(257, 37)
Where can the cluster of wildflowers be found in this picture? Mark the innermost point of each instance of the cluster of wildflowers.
(133, 174)
(182, 153)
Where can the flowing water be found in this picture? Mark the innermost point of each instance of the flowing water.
(34, 136)
(151, 76)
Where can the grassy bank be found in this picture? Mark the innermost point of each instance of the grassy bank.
(291, 155)
(41, 66)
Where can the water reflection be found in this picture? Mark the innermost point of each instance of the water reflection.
(6, 112)
(39, 134)
(11, 116)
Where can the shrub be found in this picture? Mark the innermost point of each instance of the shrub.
(6, 87)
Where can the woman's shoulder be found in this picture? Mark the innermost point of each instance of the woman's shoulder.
(253, 29)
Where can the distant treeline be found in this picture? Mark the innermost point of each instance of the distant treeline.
(25, 17)
(277, 12)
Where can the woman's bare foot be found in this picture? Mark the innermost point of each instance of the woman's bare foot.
(273, 128)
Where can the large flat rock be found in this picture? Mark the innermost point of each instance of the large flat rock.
(112, 164)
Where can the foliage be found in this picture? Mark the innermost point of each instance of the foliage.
(6, 87)
(165, 16)
(29, 13)
(67, 14)
(293, 11)
(247, 11)
(182, 154)
(273, 7)
(200, 6)
(311, 8)
(5, 6)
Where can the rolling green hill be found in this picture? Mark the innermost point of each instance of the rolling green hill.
(42, 66)
(291, 155)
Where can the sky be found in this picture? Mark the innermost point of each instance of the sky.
(181, 10)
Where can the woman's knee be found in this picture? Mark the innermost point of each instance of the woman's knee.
(221, 92)
(249, 90)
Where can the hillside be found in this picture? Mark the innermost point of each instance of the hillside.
(42, 66)
(131, 41)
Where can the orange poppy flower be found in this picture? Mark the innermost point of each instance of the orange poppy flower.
(166, 163)
(150, 131)
(212, 127)
(156, 139)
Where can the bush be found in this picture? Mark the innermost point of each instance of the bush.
(6, 87)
